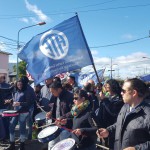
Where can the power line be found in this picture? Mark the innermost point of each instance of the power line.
(108, 45)
(120, 43)
(10, 39)
(95, 4)
(72, 8)
(3, 43)
(113, 8)
(83, 11)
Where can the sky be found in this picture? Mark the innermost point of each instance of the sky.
(117, 31)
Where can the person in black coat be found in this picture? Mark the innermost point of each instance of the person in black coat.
(110, 107)
(5, 99)
(59, 105)
(132, 129)
(84, 125)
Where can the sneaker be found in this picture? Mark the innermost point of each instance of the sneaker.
(11, 146)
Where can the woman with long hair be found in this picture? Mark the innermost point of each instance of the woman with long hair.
(83, 121)
(21, 103)
(110, 106)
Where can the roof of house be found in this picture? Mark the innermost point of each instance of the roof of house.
(2, 52)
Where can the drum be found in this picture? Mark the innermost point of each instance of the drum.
(66, 144)
(49, 134)
(1, 111)
(40, 118)
(10, 113)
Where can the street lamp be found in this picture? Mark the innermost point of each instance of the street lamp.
(18, 45)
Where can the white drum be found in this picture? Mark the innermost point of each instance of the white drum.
(67, 144)
(10, 113)
(49, 134)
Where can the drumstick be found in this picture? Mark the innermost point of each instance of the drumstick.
(104, 147)
(40, 107)
(70, 130)
(95, 124)
(46, 125)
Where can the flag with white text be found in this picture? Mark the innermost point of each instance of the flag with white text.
(60, 49)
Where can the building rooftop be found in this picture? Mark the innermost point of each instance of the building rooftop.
(2, 52)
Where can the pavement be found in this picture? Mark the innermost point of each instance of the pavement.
(29, 145)
(33, 145)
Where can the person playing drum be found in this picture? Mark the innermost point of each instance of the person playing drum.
(84, 122)
(21, 103)
(60, 105)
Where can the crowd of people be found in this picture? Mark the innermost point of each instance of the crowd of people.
(97, 116)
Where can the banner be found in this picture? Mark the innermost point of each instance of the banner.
(82, 77)
(145, 78)
(60, 49)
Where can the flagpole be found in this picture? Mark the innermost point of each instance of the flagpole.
(88, 49)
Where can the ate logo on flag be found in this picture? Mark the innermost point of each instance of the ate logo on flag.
(54, 44)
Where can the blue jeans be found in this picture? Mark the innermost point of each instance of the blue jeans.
(29, 124)
(22, 126)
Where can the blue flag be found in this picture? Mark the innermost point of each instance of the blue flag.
(60, 49)
(82, 77)
(145, 78)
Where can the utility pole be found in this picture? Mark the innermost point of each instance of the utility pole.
(111, 70)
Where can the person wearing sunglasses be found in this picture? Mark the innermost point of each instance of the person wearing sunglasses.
(132, 129)
(84, 121)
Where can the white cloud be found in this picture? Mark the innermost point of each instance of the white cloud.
(94, 52)
(40, 16)
(128, 36)
(2, 46)
(125, 66)
(34, 20)
(26, 20)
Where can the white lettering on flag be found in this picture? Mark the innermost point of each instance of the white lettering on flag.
(54, 44)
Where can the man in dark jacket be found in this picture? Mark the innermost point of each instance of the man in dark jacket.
(60, 105)
(132, 129)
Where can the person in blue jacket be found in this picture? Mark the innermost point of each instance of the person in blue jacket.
(21, 103)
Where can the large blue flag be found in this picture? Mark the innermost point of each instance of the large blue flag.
(60, 49)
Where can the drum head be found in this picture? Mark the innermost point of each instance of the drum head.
(66, 144)
(40, 116)
(47, 131)
(10, 111)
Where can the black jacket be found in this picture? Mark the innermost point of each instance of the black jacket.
(108, 113)
(134, 130)
(5, 94)
(85, 122)
(109, 110)
(66, 102)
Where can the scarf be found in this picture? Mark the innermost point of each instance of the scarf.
(77, 109)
